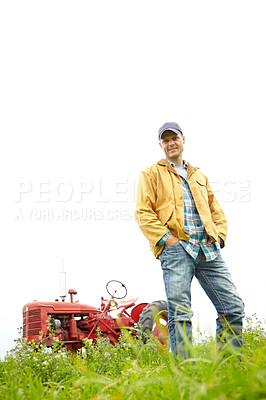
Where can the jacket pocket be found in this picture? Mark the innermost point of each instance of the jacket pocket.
(165, 213)
(202, 187)
(201, 184)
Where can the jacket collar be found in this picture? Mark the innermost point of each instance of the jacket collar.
(166, 164)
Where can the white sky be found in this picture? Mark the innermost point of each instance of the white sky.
(84, 88)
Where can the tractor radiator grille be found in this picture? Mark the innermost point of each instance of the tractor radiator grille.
(34, 322)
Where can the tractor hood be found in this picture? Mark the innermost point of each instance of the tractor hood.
(59, 307)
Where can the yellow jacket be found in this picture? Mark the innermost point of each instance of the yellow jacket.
(160, 204)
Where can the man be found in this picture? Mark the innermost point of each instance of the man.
(186, 227)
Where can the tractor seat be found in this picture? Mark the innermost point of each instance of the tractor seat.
(127, 303)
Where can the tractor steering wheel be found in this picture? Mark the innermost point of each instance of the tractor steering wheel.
(116, 289)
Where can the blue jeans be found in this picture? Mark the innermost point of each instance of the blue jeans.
(179, 268)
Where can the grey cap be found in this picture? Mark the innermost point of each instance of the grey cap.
(169, 126)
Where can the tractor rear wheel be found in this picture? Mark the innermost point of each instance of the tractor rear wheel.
(153, 320)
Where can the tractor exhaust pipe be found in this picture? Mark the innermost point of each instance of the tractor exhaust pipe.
(62, 282)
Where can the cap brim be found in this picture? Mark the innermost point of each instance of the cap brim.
(169, 129)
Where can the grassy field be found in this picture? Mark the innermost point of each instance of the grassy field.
(131, 370)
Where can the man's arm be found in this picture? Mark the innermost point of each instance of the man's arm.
(218, 216)
(146, 216)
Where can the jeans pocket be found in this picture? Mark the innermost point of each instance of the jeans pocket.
(168, 253)
(172, 246)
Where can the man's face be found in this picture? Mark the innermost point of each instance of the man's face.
(172, 145)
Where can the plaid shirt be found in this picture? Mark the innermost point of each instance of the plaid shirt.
(193, 223)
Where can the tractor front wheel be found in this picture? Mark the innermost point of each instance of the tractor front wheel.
(153, 320)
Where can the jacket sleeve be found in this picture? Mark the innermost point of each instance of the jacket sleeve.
(146, 216)
(217, 214)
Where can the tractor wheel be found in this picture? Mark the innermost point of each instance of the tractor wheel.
(153, 320)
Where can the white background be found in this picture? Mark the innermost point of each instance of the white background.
(85, 86)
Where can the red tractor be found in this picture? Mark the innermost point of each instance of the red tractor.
(72, 322)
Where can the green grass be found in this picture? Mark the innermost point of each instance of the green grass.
(131, 370)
